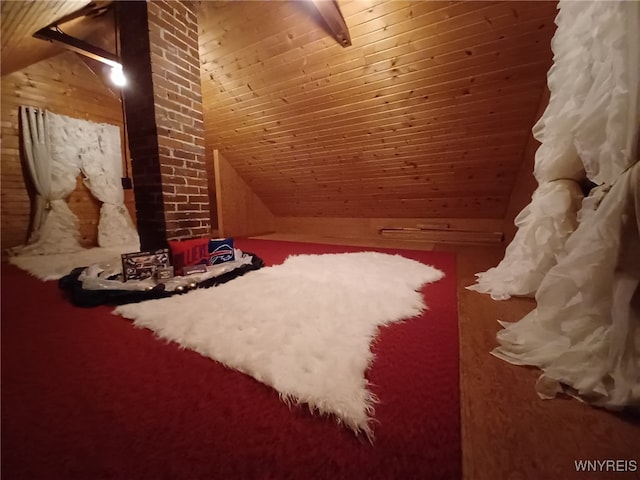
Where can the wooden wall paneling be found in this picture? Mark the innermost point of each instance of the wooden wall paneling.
(218, 182)
(418, 28)
(422, 78)
(386, 90)
(248, 18)
(442, 159)
(446, 158)
(379, 113)
(437, 50)
(433, 101)
(525, 183)
(441, 207)
(399, 148)
(409, 110)
(409, 99)
(405, 192)
(66, 86)
(240, 211)
(446, 236)
(20, 20)
(420, 90)
(130, 203)
(87, 208)
(420, 95)
(380, 87)
(445, 230)
(410, 174)
(306, 30)
(254, 23)
(330, 12)
(371, 153)
(213, 192)
(370, 167)
(423, 149)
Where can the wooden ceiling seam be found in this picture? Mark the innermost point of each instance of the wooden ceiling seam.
(457, 39)
(469, 73)
(268, 128)
(542, 100)
(427, 113)
(322, 39)
(363, 145)
(255, 92)
(484, 108)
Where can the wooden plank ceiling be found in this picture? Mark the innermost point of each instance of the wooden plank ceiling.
(426, 115)
(21, 19)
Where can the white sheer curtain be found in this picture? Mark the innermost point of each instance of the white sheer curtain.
(57, 148)
(585, 332)
(546, 223)
(55, 227)
(101, 164)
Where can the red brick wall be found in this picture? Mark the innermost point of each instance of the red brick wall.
(175, 65)
(164, 111)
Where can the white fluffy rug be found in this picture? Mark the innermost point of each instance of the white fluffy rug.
(303, 327)
(55, 266)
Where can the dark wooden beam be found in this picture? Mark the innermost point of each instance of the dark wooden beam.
(92, 9)
(330, 12)
(78, 46)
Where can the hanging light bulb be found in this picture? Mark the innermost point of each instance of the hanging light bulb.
(117, 76)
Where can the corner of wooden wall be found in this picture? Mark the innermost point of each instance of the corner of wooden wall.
(525, 183)
(240, 211)
(481, 231)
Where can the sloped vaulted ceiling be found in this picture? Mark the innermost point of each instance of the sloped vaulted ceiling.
(20, 19)
(426, 115)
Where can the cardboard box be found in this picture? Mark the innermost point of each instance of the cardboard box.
(141, 265)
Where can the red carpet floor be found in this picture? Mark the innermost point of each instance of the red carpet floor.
(87, 396)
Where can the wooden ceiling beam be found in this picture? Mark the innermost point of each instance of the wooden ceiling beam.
(78, 46)
(92, 9)
(330, 12)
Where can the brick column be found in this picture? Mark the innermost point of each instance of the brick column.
(159, 50)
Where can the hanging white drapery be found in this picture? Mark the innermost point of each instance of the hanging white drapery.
(101, 165)
(57, 148)
(545, 224)
(55, 227)
(585, 332)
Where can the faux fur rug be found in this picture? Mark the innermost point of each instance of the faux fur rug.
(55, 266)
(303, 327)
